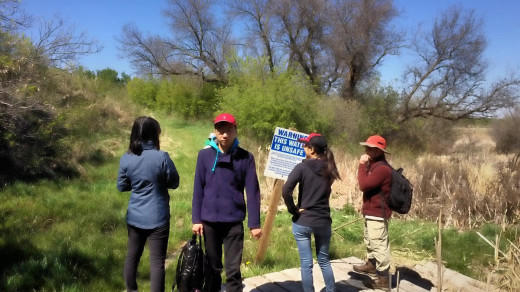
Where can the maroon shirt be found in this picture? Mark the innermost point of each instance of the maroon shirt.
(374, 179)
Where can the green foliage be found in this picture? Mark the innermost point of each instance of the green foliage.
(81, 71)
(378, 115)
(31, 143)
(142, 91)
(125, 78)
(347, 117)
(263, 101)
(378, 112)
(108, 75)
(187, 96)
(70, 235)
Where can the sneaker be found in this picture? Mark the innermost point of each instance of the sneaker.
(366, 268)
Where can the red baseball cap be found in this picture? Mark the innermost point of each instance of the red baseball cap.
(376, 141)
(225, 118)
(315, 140)
(308, 139)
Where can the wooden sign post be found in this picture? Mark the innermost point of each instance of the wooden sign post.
(285, 153)
(276, 195)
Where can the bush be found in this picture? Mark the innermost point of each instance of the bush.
(190, 97)
(263, 101)
(378, 111)
(431, 135)
(347, 117)
(505, 133)
(142, 91)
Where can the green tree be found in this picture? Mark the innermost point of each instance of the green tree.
(378, 109)
(143, 91)
(191, 97)
(262, 101)
(108, 75)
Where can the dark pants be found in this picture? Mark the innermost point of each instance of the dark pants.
(157, 243)
(231, 235)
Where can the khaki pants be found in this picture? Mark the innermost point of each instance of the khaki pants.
(378, 246)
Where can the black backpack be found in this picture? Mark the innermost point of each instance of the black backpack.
(189, 276)
(401, 192)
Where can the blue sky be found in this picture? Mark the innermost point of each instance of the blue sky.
(104, 20)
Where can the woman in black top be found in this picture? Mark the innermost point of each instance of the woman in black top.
(311, 215)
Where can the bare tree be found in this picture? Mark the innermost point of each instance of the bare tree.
(361, 38)
(336, 43)
(149, 54)
(301, 26)
(199, 46)
(11, 15)
(257, 14)
(60, 44)
(448, 80)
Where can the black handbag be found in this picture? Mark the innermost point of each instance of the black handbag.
(189, 276)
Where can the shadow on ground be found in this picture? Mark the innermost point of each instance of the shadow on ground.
(356, 283)
(412, 277)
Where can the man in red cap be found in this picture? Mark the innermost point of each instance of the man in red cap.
(222, 173)
(374, 179)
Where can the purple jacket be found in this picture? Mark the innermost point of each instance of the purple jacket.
(218, 188)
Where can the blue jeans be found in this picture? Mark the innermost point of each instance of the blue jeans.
(302, 235)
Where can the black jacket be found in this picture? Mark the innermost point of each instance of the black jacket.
(313, 194)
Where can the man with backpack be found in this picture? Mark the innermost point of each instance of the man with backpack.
(374, 179)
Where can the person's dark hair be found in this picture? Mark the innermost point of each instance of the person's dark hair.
(319, 143)
(144, 129)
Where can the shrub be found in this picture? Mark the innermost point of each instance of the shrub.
(190, 97)
(505, 133)
(431, 135)
(347, 117)
(142, 91)
(263, 101)
(378, 111)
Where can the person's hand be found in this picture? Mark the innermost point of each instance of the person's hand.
(197, 228)
(256, 233)
(364, 159)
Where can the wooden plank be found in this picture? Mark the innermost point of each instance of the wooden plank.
(283, 281)
(254, 282)
(292, 274)
(406, 286)
(349, 281)
(453, 279)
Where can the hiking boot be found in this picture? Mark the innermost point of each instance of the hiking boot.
(367, 268)
(380, 282)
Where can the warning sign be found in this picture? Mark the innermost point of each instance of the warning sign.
(285, 153)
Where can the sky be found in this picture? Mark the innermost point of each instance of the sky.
(104, 20)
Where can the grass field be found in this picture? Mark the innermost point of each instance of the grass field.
(70, 235)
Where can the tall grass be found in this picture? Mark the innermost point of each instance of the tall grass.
(477, 190)
(70, 235)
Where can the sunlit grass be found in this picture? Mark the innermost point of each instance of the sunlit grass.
(70, 235)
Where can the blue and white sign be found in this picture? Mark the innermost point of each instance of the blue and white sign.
(285, 153)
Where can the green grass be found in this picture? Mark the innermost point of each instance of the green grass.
(70, 235)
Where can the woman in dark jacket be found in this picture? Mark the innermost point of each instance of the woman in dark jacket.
(311, 215)
(148, 173)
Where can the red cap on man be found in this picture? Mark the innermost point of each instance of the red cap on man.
(375, 141)
(225, 118)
